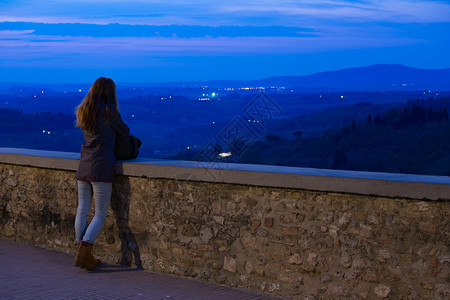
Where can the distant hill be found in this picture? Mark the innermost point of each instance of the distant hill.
(376, 77)
(371, 78)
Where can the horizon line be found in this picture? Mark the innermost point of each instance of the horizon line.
(218, 80)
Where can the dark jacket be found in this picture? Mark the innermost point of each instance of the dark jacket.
(97, 153)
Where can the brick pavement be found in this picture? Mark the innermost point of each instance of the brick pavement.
(29, 272)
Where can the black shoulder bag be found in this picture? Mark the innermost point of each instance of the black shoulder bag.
(127, 147)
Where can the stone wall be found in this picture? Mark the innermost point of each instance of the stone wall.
(294, 243)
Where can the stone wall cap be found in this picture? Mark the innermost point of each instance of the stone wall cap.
(373, 183)
(295, 170)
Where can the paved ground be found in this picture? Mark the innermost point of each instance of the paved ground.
(28, 272)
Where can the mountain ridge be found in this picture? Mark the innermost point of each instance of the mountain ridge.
(373, 77)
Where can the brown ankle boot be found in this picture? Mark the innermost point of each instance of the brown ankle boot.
(97, 261)
(84, 258)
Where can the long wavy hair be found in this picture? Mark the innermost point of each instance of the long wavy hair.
(103, 89)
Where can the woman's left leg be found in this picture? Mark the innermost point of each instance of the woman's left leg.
(102, 196)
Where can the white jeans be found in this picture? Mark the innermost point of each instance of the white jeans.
(102, 196)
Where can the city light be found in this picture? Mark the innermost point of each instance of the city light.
(225, 154)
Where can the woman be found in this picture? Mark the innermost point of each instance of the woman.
(99, 118)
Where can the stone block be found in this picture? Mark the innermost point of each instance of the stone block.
(256, 223)
(295, 259)
(268, 222)
(164, 246)
(313, 259)
(289, 231)
(427, 227)
(346, 260)
(12, 182)
(177, 251)
(345, 219)
(259, 271)
(327, 278)
(222, 279)
(219, 219)
(284, 219)
(371, 277)
(205, 248)
(249, 268)
(231, 208)
(383, 255)
(274, 287)
(206, 234)
(193, 253)
(217, 208)
(382, 291)
(262, 232)
(230, 264)
(248, 240)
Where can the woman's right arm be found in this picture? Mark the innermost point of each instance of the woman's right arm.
(119, 125)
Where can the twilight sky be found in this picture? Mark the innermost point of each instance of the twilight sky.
(159, 40)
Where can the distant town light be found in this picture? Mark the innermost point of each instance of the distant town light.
(213, 94)
(42, 92)
(225, 154)
(342, 97)
(79, 90)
